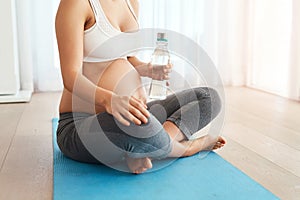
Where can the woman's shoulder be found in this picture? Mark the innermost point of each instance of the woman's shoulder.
(136, 2)
(76, 8)
(81, 5)
(74, 2)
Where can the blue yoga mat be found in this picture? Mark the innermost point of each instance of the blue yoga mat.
(187, 178)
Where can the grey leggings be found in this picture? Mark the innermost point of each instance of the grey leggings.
(81, 136)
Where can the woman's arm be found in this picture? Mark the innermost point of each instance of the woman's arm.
(70, 20)
(141, 67)
(147, 70)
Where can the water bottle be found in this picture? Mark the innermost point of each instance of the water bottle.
(160, 57)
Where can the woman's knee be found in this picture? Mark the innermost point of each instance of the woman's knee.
(213, 95)
(157, 147)
(215, 100)
(162, 145)
(148, 140)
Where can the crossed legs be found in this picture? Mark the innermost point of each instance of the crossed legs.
(181, 147)
(189, 111)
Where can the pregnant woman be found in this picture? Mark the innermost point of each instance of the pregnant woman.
(109, 93)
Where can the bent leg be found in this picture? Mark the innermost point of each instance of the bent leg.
(185, 113)
(146, 140)
(70, 142)
(100, 139)
(182, 147)
(190, 110)
(139, 143)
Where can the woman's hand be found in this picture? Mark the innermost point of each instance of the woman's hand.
(126, 108)
(159, 72)
(156, 72)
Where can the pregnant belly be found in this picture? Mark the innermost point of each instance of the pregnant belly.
(121, 78)
(118, 76)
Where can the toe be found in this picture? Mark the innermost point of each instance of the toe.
(144, 169)
(147, 163)
(218, 145)
(141, 170)
(221, 140)
(137, 171)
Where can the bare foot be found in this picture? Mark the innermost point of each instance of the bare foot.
(211, 143)
(205, 143)
(138, 165)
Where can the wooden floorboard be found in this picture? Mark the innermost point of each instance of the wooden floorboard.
(27, 169)
(10, 115)
(269, 128)
(272, 150)
(265, 106)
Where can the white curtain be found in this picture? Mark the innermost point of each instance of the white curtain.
(46, 67)
(274, 42)
(253, 43)
(38, 55)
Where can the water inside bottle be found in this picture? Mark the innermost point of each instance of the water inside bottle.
(158, 88)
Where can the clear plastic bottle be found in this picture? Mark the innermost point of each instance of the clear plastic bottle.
(160, 57)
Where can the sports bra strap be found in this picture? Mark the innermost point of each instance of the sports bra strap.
(100, 15)
(95, 7)
(132, 10)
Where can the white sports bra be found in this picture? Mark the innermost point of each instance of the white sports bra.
(99, 33)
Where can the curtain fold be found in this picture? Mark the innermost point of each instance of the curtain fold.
(271, 50)
(24, 31)
(294, 67)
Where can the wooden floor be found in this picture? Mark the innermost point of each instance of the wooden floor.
(262, 130)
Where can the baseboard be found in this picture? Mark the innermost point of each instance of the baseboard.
(21, 96)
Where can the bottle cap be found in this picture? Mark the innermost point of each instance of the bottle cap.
(162, 37)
